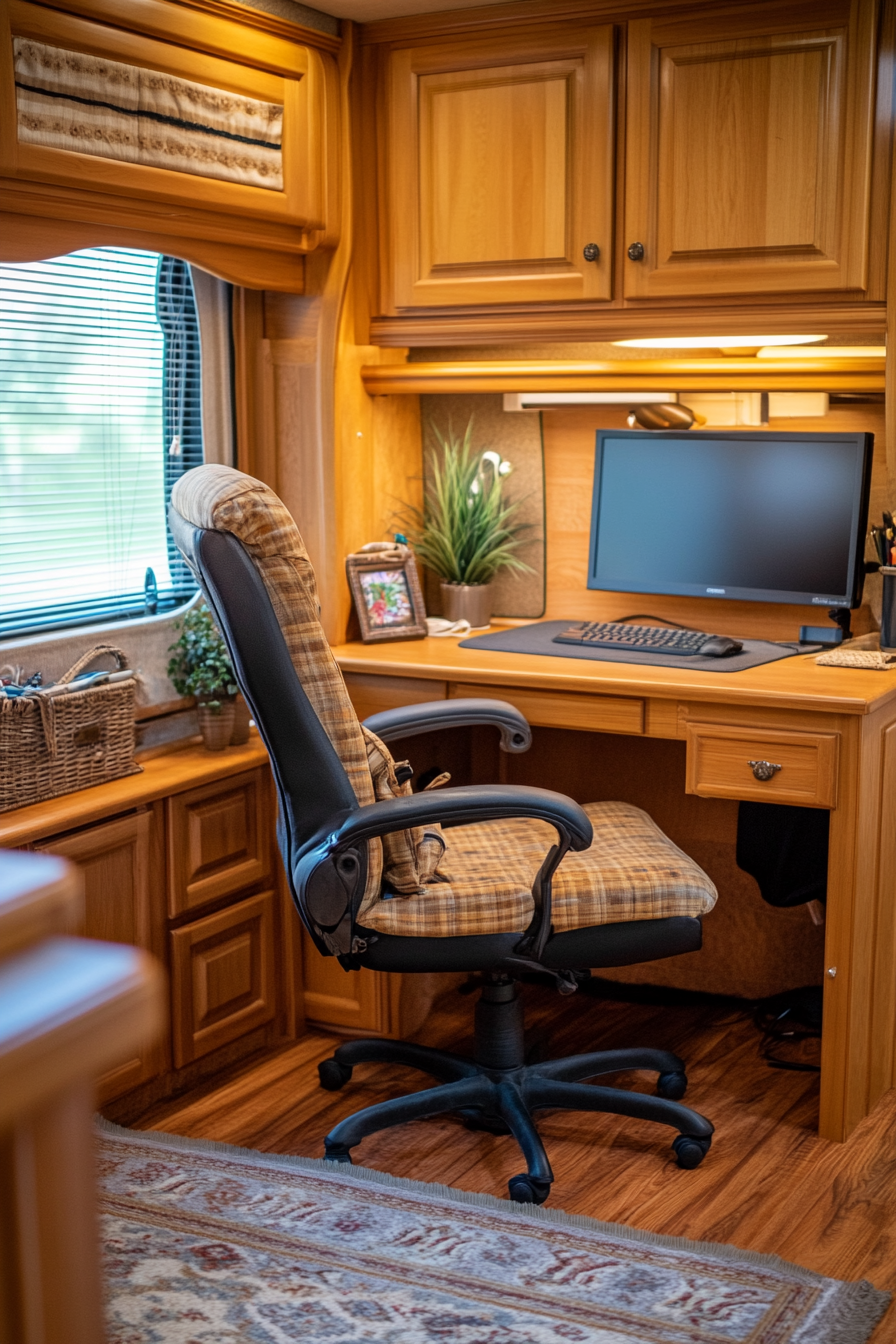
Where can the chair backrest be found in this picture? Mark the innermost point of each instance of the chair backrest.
(251, 562)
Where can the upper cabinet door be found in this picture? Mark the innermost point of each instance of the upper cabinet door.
(500, 170)
(749, 150)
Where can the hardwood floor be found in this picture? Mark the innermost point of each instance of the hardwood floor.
(768, 1184)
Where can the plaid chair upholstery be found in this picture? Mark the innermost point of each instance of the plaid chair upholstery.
(226, 500)
(631, 871)
(420, 882)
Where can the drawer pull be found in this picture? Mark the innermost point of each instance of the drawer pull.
(764, 769)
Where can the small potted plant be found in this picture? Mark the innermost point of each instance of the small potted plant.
(466, 531)
(201, 667)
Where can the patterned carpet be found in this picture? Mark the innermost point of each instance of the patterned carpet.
(206, 1244)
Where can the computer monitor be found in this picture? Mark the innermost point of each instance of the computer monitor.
(761, 517)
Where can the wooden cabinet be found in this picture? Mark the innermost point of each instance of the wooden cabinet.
(121, 864)
(179, 860)
(222, 977)
(744, 172)
(749, 150)
(243, 181)
(500, 169)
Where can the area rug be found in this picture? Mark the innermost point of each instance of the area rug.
(208, 1244)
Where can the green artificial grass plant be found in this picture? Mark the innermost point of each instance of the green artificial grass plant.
(465, 531)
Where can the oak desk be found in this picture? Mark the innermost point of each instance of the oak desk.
(832, 731)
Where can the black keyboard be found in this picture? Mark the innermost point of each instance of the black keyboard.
(647, 638)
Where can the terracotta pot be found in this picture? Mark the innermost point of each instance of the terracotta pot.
(467, 602)
(216, 724)
(241, 720)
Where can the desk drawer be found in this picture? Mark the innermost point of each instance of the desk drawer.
(371, 694)
(801, 768)
(561, 709)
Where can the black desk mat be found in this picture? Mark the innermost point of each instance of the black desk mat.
(538, 637)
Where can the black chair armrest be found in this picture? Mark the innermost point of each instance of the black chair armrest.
(411, 720)
(462, 807)
(329, 876)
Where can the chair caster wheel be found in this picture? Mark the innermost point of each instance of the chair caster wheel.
(337, 1155)
(333, 1075)
(526, 1189)
(690, 1151)
(672, 1086)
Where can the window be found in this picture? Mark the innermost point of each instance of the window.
(100, 413)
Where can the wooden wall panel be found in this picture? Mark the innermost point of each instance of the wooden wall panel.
(379, 455)
(569, 442)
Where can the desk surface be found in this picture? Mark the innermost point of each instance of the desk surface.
(798, 683)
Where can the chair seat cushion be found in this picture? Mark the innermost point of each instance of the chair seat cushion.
(631, 871)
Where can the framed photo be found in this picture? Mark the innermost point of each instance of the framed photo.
(386, 592)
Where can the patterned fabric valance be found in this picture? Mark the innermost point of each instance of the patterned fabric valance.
(68, 100)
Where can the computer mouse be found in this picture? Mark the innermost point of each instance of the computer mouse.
(720, 646)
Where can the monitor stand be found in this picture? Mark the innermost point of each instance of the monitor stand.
(841, 617)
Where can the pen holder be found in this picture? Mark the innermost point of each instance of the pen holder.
(888, 609)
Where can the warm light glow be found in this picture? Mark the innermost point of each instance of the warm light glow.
(716, 342)
(778, 351)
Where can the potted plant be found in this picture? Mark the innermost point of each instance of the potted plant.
(466, 531)
(201, 667)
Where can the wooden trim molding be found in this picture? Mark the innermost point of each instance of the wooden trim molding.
(612, 322)
(165, 19)
(35, 238)
(684, 375)
(482, 18)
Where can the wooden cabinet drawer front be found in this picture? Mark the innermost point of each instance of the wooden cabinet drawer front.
(719, 764)
(222, 977)
(561, 709)
(371, 693)
(217, 841)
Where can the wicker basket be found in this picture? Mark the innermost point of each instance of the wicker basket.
(57, 744)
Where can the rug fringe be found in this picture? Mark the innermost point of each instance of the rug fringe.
(848, 1319)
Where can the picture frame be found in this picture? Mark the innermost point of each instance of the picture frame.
(385, 588)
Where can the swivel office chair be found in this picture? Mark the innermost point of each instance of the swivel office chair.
(524, 881)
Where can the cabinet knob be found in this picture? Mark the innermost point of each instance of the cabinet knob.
(764, 769)
(591, 252)
(636, 252)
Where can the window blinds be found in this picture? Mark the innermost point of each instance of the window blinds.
(100, 412)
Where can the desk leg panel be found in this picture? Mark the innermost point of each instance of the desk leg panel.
(883, 1050)
(860, 943)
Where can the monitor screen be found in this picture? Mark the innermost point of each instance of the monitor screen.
(765, 517)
